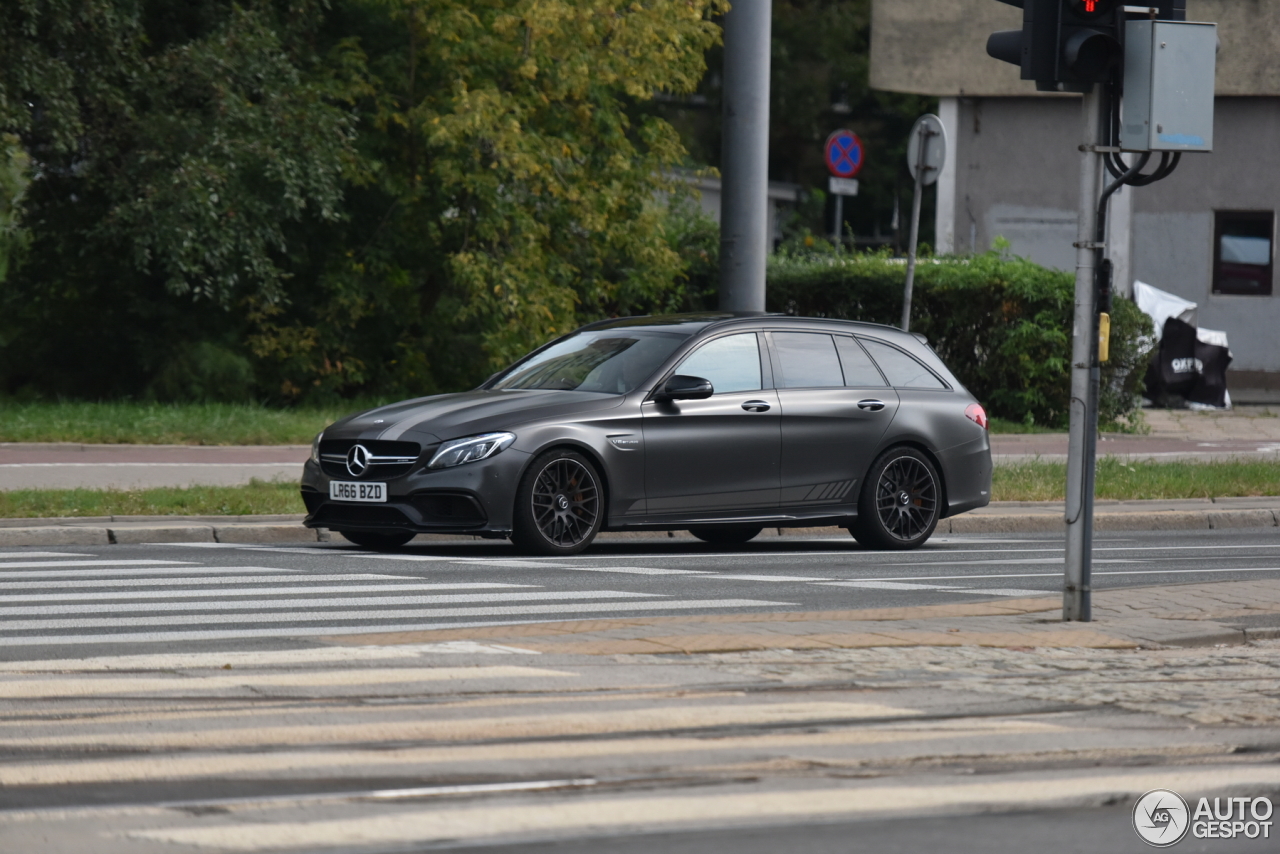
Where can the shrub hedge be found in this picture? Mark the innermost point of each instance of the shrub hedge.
(1003, 324)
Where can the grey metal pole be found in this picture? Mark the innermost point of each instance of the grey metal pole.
(744, 167)
(837, 233)
(911, 247)
(1076, 591)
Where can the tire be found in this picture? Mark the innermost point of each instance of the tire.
(559, 505)
(900, 501)
(727, 535)
(378, 540)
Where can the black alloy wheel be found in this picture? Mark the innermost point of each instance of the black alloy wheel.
(727, 535)
(900, 501)
(378, 540)
(559, 505)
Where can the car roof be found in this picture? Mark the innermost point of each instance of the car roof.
(694, 322)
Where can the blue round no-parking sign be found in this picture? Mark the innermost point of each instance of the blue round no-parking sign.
(844, 154)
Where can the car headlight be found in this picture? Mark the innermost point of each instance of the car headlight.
(315, 448)
(458, 451)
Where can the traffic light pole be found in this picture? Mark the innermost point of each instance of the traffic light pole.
(1082, 447)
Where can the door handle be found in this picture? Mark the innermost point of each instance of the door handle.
(871, 405)
(756, 406)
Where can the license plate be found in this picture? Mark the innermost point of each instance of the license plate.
(342, 490)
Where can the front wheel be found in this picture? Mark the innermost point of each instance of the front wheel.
(727, 535)
(900, 501)
(559, 505)
(376, 540)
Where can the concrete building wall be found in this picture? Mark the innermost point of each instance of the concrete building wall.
(1016, 177)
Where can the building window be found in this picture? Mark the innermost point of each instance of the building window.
(1242, 252)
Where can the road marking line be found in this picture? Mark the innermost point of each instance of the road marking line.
(170, 766)
(1018, 560)
(634, 570)
(39, 564)
(301, 590)
(65, 584)
(268, 617)
(44, 688)
(296, 603)
(8, 555)
(726, 576)
(891, 585)
(1059, 574)
(674, 714)
(620, 813)
(171, 572)
(324, 656)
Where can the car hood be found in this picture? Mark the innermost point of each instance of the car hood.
(449, 416)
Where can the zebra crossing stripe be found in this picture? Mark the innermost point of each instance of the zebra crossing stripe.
(301, 590)
(293, 603)
(51, 564)
(253, 620)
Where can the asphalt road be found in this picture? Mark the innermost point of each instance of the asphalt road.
(64, 602)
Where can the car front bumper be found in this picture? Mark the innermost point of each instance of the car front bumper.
(473, 498)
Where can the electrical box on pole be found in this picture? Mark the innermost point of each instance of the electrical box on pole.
(1168, 86)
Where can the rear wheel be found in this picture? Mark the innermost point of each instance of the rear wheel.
(900, 501)
(378, 540)
(559, 505)
(727, 535)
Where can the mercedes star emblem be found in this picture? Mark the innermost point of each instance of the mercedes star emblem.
(358, 460)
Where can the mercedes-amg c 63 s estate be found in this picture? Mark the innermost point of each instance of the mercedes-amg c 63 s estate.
(720, 424)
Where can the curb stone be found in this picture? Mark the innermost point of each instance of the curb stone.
(107, 530)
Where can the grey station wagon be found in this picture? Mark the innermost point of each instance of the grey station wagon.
(719, 424)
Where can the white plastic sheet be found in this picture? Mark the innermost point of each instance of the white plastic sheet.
(1161, 305)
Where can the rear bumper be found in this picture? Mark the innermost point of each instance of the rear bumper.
(967, 470)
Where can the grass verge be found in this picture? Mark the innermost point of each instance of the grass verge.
(1033, 481)
(258, 498)
(127, 422)
(1042, 481)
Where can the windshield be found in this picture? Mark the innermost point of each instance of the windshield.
(610, 361)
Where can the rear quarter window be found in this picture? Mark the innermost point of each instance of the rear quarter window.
(902, 370)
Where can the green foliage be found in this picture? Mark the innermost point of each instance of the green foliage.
(398, 195)
(1147, 480)
(14, 178)
(153, 423)
(1002, 324)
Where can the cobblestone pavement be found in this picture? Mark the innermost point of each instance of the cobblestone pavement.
(1223, 685)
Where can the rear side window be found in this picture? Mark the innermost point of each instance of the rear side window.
(732, 363)
(902, 370)
(859, 370)
(808, 360)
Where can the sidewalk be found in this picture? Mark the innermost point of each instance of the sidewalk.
(1185, 615)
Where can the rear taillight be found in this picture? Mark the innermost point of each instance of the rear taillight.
(975, 413)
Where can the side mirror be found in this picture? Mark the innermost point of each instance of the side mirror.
(685, 388)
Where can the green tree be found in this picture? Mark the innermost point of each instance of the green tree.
(174, 147)
(504, 192)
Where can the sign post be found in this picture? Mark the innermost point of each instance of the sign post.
(926, 155)
(843, 155)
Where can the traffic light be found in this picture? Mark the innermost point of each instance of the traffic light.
(1064, 45)
(1089, 48)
